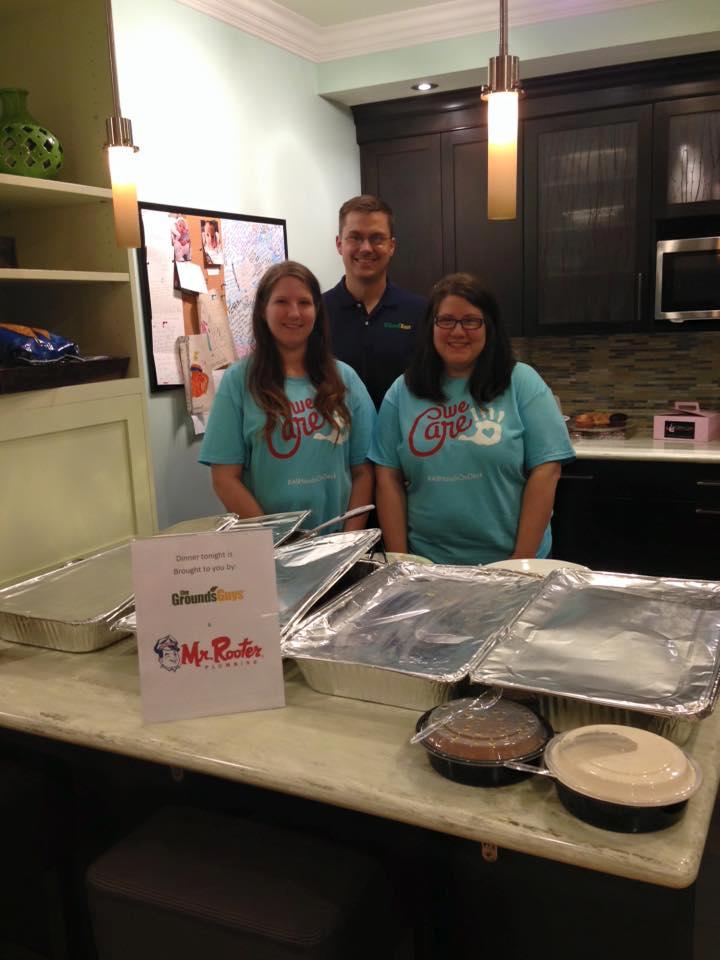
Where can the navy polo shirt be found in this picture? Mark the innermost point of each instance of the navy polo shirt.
(377, 345)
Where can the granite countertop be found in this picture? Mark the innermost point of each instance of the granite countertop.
(342, 752)
(645, 448)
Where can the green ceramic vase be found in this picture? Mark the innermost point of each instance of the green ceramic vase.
(26, 148)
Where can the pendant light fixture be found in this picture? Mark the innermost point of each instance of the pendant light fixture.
(502, 92)
(121, 157)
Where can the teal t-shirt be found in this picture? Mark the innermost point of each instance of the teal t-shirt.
(306, 465)
(466, 465)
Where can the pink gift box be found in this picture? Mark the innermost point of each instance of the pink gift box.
(686, 421)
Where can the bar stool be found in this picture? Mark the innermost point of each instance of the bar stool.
(191, 883)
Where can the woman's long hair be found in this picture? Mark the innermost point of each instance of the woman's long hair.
(266, 374)
(493, 368)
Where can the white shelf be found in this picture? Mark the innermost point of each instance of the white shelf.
(15, 275)
(28, 192)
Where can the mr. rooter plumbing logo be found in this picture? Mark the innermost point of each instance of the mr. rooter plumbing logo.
(216, 653)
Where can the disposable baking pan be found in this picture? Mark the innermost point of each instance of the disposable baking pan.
(407, 633)
(72, 607)
(305, 572)
(631, 642)
(281, 525)
(563, 713)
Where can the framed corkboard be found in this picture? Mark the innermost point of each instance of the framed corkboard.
(199, 270)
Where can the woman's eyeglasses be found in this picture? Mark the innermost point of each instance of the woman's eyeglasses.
(467, 323)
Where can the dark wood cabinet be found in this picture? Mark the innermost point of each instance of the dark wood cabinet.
(687, 157)
(406, 173)
(653, 518)
(587, 223)
(490, 249)
(611, 160)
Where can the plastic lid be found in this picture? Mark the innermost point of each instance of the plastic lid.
(620, 764)
(471, 733)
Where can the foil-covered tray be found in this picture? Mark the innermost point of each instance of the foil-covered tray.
(565, 714)
(408, 632)
(281, 525)
(305, 572)
(73, 607)
(634, 642)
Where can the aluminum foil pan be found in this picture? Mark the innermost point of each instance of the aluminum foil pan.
(638, 643)
(359, 682)
(281, 525)
(73, 607)
(408, 632)
(305, 571)
(565, 714)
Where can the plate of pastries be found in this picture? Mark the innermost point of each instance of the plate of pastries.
(599, 423)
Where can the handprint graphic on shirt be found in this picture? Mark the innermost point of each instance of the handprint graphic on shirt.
(338, 433)
(487, 427)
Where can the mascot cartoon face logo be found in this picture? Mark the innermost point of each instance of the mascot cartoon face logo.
(168, 653)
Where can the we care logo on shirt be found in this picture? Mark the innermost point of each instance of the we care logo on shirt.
(397, 326)
(305, 422)
(436, 425)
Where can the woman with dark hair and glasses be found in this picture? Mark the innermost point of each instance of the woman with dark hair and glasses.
(468, 443)
(290, 426)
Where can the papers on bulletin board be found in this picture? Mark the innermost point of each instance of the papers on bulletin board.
(190, 277)
(166, 307)
(199, 274)
(200, 378)
(207, 627)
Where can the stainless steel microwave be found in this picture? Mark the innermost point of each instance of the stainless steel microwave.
(687, 279)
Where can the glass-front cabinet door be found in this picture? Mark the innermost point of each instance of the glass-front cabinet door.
(687, 157)
(587, 202)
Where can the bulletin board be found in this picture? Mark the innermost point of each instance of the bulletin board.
(199, 270)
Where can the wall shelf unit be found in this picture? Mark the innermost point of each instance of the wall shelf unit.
(16, 275)
(74, 454)
(28, 192)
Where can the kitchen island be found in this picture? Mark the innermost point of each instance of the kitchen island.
(645, 448)
(341, 752)
(640, 505)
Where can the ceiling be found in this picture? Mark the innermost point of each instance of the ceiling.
(377, 49)
(328, 13)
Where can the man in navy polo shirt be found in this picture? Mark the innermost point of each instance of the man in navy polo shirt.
(373, 321)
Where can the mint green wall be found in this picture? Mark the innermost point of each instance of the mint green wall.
(642, 25)
(227, 122)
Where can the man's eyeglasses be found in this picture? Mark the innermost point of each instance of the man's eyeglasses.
(375, 239)
(467, 323)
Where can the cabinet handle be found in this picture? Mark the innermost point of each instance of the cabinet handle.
(578, 476)
(706, 512)
(638, 298)
(707, 483)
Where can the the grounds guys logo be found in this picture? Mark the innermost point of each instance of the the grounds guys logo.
(218, 653)
(213, 595)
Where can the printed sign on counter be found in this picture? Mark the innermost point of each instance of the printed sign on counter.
(207, 627)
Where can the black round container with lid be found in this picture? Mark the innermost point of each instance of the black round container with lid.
(469, 741)
(621, 778)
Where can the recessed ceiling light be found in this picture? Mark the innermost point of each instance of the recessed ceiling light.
(424, 86)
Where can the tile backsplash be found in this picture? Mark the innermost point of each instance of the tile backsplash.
(633, 374)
